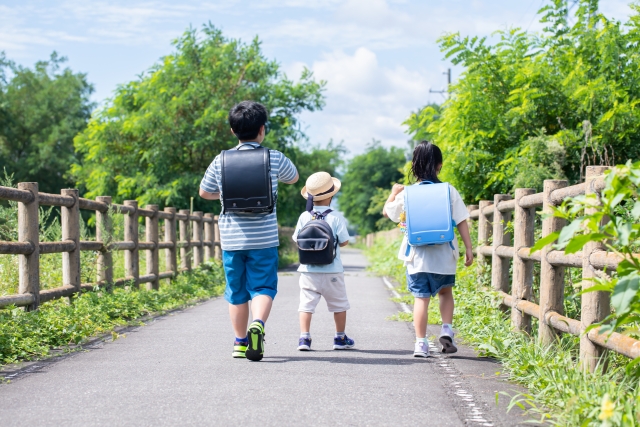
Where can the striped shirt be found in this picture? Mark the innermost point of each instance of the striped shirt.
(239, 231)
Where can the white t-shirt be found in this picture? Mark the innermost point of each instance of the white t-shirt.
(439, 259)
(339, 227)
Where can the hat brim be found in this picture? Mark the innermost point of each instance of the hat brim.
(336, 187)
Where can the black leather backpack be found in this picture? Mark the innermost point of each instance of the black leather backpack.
(316, 242)
(246, 181)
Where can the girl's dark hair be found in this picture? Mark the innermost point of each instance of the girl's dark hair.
(426, 159)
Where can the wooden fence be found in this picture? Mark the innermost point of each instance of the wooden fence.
(512, 253)
(195, 235)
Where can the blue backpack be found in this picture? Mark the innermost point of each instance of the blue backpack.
(428, 214)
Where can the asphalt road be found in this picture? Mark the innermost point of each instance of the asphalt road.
(177, 371)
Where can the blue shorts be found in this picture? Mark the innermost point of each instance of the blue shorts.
(250, 273)
(427, 285)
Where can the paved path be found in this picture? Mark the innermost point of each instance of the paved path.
(178, 371)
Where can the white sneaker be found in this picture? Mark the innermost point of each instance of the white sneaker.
(421, 349)
(447, 341)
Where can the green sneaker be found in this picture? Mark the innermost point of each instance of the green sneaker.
(239, 349)
(255, 350)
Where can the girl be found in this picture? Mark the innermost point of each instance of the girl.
(431, 270)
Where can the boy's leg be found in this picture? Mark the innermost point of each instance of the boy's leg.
(237, 296)
(309, 299)
(239, 314)
(262, 284)
(261, 307)
(341, 321)
(305, 322)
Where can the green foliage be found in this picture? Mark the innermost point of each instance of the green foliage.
(418, 122)
(308, 160)
(155, 139)
(559, 391)
(538, 106)
(615, 223)
(28, 335)
(377, 168)
(41, 111)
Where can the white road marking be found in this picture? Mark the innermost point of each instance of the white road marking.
(472, 412)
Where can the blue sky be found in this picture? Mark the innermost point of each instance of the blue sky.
(379, 57)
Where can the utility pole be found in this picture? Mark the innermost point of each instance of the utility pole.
(569, 5)
(442, 92)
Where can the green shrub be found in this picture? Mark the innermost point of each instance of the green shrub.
(559, 392)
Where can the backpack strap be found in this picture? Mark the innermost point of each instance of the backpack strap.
(320, 215)
(323, 216)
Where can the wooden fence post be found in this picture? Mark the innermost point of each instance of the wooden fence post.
(185, 241)
(104, 231)
(208, 237)
(551, 278)
(471, 208)
(70, 218)
(499, 265)
(131, 256)
(595, 305)
(29, 232)
(484, 234)
(151, 233)
(197, 239)
(217, 253)
(170, 236)
(523, 235)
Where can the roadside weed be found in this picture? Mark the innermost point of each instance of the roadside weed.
(560, 393)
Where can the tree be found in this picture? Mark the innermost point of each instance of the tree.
(539, 106)
(41, 111)
(366, 174)
(308, 160)
(155, 139)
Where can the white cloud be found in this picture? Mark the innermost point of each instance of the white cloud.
(365, 100)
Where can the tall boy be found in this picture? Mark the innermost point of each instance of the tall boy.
(323, 280)
(249, 241)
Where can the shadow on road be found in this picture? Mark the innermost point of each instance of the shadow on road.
(348, 360)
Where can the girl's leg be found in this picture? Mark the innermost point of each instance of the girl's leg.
(446, 305)
(420, 316)
(305, 321)
(341, 320)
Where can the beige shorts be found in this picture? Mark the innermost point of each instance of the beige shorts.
(329, 285)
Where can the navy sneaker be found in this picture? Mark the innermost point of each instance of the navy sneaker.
(304, 344)
(342, 343)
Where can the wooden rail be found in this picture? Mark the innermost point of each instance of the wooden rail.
(194, 250)
(509, 251)
(516, 289)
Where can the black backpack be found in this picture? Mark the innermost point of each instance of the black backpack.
(316, 242)
(246, 181)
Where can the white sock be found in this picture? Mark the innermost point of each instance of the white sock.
(340, 334)
(447, 325)
(424, 340)
(305, 335)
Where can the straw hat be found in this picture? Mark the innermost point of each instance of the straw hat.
(321, 186)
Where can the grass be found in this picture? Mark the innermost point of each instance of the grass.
(560, 393)
(61, 325)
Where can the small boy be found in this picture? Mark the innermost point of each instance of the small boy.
(323, 280)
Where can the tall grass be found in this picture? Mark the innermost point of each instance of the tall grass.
(560, 393)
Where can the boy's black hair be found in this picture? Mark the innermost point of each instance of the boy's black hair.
(246, 118)
(426, 159)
